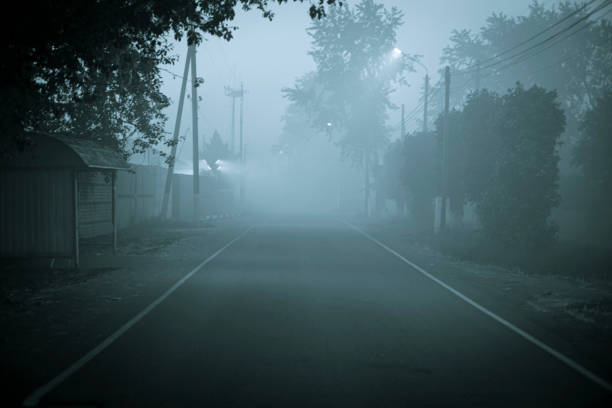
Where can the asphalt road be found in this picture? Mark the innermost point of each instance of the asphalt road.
(310, 313)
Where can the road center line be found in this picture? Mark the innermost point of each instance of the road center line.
(34, 398)
(558, 355)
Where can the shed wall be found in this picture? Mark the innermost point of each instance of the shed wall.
(95, 203)
(214, 198)
(36, 213)
(139, 194)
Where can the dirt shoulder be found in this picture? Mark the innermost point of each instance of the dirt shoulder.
(51, 317)
(572, 315)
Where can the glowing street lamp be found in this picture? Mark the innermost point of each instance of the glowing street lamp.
(396, 53)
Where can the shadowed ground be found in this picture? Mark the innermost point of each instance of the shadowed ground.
(308, 313)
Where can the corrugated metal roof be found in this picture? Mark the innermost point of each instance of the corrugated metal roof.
(49, 151)
(94, 155)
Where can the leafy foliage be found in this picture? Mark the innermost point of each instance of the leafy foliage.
(593, 155)
(421, 175)
(511, 163)
(352, 50)
(579, 67)
(502, 156)
(297, 128)
(389, 177)
(594, 151)
(455, 151)
(214, 150)
(89, 69)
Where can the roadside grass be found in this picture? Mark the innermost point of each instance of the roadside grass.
(572, 259)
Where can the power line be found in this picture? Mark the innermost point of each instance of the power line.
(174, 74)
(533, 37)
(526, 54)
(522, 53)
(540, 51)
(571, 56)
(419, 108)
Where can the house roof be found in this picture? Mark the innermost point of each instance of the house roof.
(95, 155)
(48, 151)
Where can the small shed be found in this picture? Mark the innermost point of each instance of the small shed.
(55, 192)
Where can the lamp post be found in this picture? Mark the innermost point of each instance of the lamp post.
(328, 129)
(396, 53)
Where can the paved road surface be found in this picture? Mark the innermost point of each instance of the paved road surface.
(313, 314)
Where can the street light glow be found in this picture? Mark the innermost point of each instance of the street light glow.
(397, 52)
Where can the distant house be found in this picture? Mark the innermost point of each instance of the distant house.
(57, 191)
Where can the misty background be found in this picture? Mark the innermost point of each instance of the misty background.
(266, 56)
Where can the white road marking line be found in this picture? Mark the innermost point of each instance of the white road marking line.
(558, 355)
(34, 398)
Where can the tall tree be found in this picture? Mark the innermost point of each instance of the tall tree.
(356, 70)
(577, 63)
(297, 128)
(214, 150)
(90, 68)
(512, 157)
(593, 156)
(421, 175)
(390, 178)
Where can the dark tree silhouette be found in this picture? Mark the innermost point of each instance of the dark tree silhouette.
(356, 69)
(511, 163)
(593, 155)
(216, 149)
(89, 69)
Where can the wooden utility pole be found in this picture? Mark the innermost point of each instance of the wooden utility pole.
(233, 125)
(114, 208)
(242, 150)
(366, 192)
(175, 138)
(444, 149)
(238, 93)
(425, 102)
(194, 118)
(242, 155)
(233, 93)
(403, 125)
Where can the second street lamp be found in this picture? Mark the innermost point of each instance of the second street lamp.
(397, 53)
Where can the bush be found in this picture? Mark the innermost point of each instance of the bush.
(509, 168)
(593, 155)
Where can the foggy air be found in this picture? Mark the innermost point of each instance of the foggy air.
(322, 203)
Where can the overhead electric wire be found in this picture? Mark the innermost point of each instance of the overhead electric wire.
(540, 51)
(521, 53)
(555, 64)
(565, 59)
(172, 73)
(533, 37)
(419, 108)
(527, 53)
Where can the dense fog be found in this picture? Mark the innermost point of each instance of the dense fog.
(290, 203)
